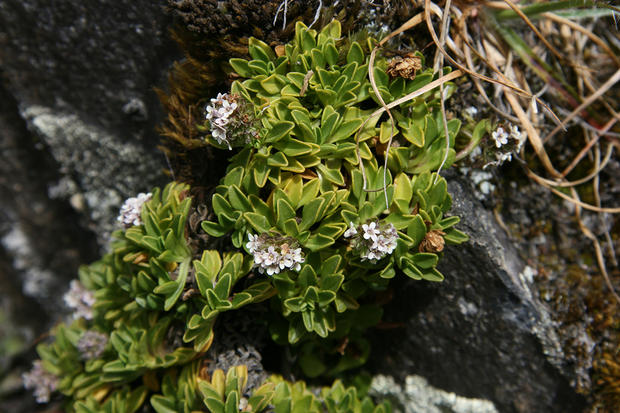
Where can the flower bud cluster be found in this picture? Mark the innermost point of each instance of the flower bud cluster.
(372, 240)
(41, 381)
(92, 344)
(275, 253)
(131, 210)
(80, 299)
(231, 120)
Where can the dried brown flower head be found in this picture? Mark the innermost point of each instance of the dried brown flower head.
(405, 66)
(433, 241)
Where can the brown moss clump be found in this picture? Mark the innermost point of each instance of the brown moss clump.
(211, 28)
(211, 17)
(607, 376)
(190, 82)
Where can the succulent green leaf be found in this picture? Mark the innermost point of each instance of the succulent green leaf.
(425, 260)
(454, 236)
(355, 54)
(259, 50)
(240, 66)
(257, 221)
(345, 130)
(238, 200)
(214, 229)
(162, 404)
(332, 175)
(417, 229)
(278, 131)
(182, 278)
(318, 242)
(432, 275)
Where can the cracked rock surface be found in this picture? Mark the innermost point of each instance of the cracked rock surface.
(483, 332)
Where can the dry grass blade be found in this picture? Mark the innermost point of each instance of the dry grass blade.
(483, 93)
(614, 210)
(373, 83)
(593, 97)
(516, 89)
(440, 60)
(597, 246)
(596, 170)
(409, 24)
(587, 148)
(591, 36)
(534, 29)
(532, 134)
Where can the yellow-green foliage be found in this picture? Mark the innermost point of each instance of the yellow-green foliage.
(296, 184)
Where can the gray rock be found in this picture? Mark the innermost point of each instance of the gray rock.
(107, 169)
(418, 396)
(83, 75)
(77, 115)
(483, 332)
(99, 59)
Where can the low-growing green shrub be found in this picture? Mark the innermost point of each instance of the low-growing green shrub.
(320, 212)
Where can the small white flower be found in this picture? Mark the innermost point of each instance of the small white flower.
(219, 134)
(41, 381)
(471, 111)
(297, 257)
(286, 260)
(515, 133)
(80, 299)
(218, 114)
(376, 241)
(351, 231)
(370, 231)
(92, 344)
(500, 137)
(131, 210)
(272, 256)
(273, 253)
(381, 244)
(504, 157)
(260, 257)
(272, 270)
(253, 243)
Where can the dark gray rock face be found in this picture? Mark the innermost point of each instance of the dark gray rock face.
(77, 136)
(98, 58)
(83, 75)
(483, 332)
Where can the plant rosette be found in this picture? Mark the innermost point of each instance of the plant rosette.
(297, 199)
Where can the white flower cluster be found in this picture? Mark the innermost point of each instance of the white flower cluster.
(41, 381)
(132, 210)
(92, 344)
(510, 141)
(81, 300)
(500, 136)
(218, 115)
(373, 240)
(273, 254)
